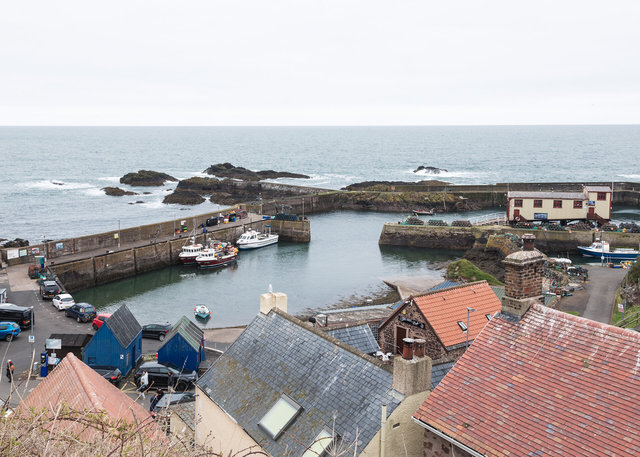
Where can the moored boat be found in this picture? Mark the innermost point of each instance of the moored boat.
(202, 312)
(215, 257)
(190, 252)
(417, 212)
(601, 249)
(252, 239)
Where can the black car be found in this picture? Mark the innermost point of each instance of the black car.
(49, 289)
(111, 374)
(155, 331)
(83, 312)
(159, 376)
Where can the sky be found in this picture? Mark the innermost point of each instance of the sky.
(299, 62)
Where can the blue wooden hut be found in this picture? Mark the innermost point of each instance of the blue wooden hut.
(183, 346)
(117, 343)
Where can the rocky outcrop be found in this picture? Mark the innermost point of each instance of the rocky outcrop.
(183, 197)
(17, 243)
(146, 178)
(488, 254)
(392, 186)
(227, 170)
(117, 192)
(229, 191)
(430, 170)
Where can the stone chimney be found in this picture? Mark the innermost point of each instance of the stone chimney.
(411, 374)
(523, 278)
(272, 300)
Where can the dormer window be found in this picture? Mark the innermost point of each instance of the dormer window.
(462, 326)
(488, 316)
(279, 417)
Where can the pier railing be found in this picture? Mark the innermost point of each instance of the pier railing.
(490, 219)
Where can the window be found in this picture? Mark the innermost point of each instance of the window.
(320, 444)
(602, 196)
(557, 203)
(279, 417)
(463, 326)
(537, 203)
(577, 204)
(488, 316)
(517, 203)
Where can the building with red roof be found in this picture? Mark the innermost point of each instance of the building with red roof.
(441, 319)
(537, 382)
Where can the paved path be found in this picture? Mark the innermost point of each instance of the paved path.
(412, 285)
(601, 289)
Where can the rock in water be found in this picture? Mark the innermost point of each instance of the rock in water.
(430, 170)
(227, 170)
(146, 178)
(117, 192)
(183, 197)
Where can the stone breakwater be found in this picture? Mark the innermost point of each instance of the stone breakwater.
(465, 238)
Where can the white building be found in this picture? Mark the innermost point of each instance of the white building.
(593, 203)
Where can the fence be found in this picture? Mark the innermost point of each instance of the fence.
(490, 219)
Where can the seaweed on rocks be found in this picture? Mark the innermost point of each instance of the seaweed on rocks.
(183, 197)
(146, 178)
(117, 192)
(227, 170)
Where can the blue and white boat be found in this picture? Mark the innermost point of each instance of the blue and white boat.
(601, 250)
(202, 312)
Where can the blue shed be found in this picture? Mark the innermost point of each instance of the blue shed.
(183, 346)
(117, 343)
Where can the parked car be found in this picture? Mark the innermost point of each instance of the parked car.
(159, 376)
(111, 374)
(49, 289)
(9, 330)
(175, 399)
(22, 315)
(63, 301)
(99, 320)
(83, 312)
(155, 331)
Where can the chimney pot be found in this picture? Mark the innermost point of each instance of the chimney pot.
(528, 240)
(407, 348)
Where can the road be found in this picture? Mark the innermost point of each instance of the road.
(596, 300)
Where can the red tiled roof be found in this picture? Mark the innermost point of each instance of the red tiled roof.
(81, 388)
(550, 385)
(443, 309)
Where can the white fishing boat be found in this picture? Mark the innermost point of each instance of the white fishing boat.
(601, 249)
(217, 256)
(190, 252)
(253, 239)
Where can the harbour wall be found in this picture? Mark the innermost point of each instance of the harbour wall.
(119, 264)
(464, 238)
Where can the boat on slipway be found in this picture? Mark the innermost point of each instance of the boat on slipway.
(252, 239)
(601, 250)
(217, 256)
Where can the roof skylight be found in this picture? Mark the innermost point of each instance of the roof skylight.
(320, 444)
(279, 417)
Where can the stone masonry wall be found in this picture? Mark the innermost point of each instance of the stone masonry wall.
(434, 446)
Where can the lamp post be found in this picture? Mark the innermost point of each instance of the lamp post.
(468, 310)
(118, 233)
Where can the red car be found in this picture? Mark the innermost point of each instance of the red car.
(99, 320)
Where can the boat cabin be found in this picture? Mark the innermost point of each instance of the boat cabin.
(592, 203)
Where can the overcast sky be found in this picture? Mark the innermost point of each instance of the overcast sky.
(348, 62)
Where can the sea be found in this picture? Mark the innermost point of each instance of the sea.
(51, 180)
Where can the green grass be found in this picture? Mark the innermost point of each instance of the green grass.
(464, 270)
(574, 313)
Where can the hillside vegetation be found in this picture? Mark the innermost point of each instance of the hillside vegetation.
(465, 271)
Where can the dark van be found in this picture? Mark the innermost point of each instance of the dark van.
(21, 315)
(49, 289)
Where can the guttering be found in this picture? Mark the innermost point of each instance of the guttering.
(453, 441)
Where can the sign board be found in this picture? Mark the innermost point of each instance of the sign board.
(115, 235)
(121, 356)
(32, 339)
(53, 343)
(23, 253)
(621, 307)
(35, 251)
(59, 246)
(12, 254)
(540, 216)
(591, 203)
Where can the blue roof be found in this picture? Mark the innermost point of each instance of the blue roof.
(279, 355)
(360, 337)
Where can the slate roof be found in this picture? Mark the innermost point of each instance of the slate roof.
(72, 339)
(124, 326)
(597, 188)
(278, 354)
(438, 372)
(359, 337)
(188, 330)
(443, 309)
(551, 384)
(443, 285)
(552, 195)
(80, 387)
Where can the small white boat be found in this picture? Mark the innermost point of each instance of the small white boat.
(253, 239)
(190, 252)
(202, 312)
(601, 249)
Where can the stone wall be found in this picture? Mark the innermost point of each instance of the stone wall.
(434, 446)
